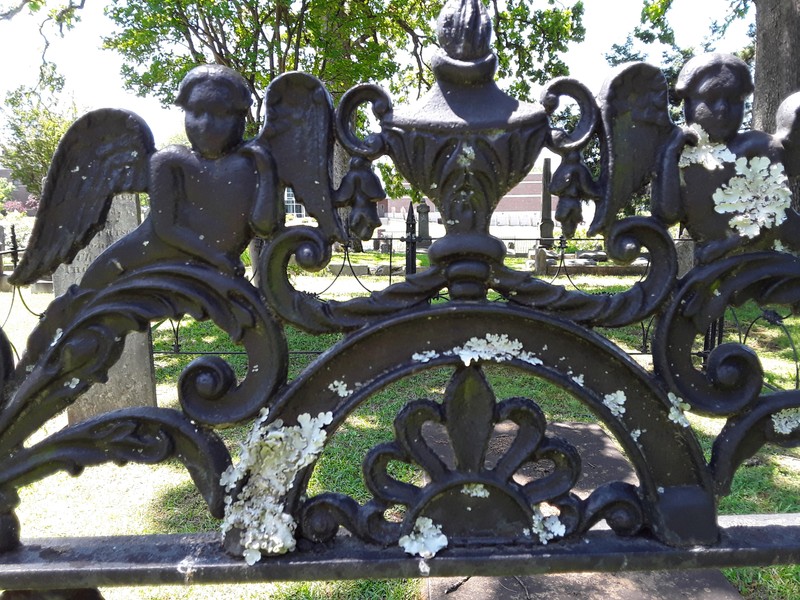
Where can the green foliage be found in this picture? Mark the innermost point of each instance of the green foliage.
(341, 43)
(654, 26)
(529, 42)
(6, 191)
(35, 123)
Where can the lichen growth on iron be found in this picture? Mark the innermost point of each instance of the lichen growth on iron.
(270, 460)
(546, 527)
(710, 155)
(757, 196)
(475, 490)
(786, 421)
(615, 402)
(495, 346)
(676, 410)
(425, 540)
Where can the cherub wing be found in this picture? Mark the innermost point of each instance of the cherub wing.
(787, 121)
(634, 111)
(299, 134)
(104, 153)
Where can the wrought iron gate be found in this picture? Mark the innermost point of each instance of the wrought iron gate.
(463, 145)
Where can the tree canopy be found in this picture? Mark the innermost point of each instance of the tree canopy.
(342, 43)
(777, 43)
(35, 121)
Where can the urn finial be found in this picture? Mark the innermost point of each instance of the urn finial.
(464, 30)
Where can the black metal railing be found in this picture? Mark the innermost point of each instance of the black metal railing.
(463, 145)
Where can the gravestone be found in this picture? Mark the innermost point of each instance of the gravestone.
(540, 266)
(684, 248)
(423, 227)
(131, 381)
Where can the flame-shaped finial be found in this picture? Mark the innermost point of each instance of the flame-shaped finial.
(464, 30)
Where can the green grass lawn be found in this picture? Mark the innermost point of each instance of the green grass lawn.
(139, 499)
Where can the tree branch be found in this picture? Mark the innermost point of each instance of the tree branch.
(14, 10)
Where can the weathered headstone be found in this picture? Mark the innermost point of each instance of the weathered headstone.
(684, 248)
(423, 227)
(540, 267)
(131, 381)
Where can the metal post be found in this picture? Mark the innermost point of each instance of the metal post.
(391, 254)
(411, 241)
(14, 247)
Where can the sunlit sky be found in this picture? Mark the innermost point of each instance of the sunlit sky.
(92, 74)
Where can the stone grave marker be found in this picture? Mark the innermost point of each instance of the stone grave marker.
(684, 247)
(131, 381)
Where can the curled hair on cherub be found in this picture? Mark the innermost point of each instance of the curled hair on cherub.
(239, 92)
(714, 64)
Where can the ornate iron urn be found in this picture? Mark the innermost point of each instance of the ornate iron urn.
(464, 144)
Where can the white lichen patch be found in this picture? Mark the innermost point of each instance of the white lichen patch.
(786, 421)
(425, 540)
(577, 378)
(757, 196)
(340, 388)
(466, 156)
(270, 459)
(425, 356)
(637, 433)
(476, 490)
(495, 346)
(72, 383)
(706, 153)
(546, 527)
(676, 410)
(615, 402)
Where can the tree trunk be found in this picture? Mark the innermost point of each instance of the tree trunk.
(777, 72)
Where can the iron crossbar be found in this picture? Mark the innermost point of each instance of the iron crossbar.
(40, 564)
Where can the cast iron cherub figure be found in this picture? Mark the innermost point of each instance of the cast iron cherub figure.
(207, 203)
(728, 187)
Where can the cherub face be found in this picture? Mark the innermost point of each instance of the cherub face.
(715, 105)
(211, 127)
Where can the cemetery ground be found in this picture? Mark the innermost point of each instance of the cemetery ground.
(137, 499)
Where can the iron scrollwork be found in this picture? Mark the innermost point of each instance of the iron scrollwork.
(463, 145)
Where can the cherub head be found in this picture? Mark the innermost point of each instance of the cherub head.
(216, 100)
(714, 87)
(787, 121)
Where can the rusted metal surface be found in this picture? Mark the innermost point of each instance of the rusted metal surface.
(463, 145)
